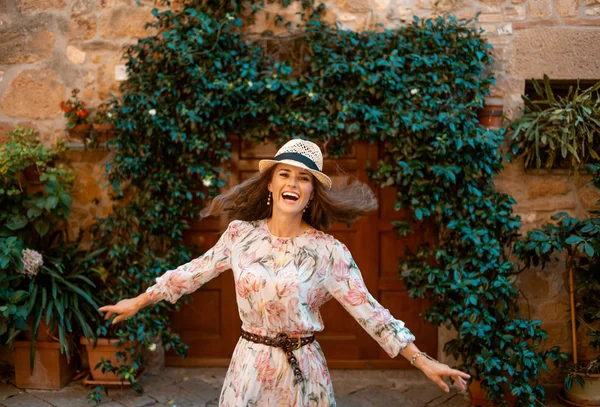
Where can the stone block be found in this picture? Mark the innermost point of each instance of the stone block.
(515, 13)
(88, 93)
(444, 6)
(508, 84)
(40, 5)
(423, 5)
(75, 55)
(82, 28)
(33, 94)
(589, 196)
(591, 2)
(22, 48)
(524, 25)
(534, 51)
(382, 5)
(504, 29)
(490, 18)
(489, 28)
(595, 11)
(534, 283)
(559, 333)
(567, 8)
(82, 7)
(489, 6)
(540, 8)
(543, 187)
(582, 22)
(554, 311)
(126, 22)
(113, 3)
(357, 6)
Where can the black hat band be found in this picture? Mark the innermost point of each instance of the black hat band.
(298, 157)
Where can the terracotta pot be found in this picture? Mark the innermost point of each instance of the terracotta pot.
(104, 131)
(44, 332)
(589, 394)
(478, 396)
(80, 131)
(107, 349)
(491, 116)
(51, 369)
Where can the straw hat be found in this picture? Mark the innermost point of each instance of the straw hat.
(299, 153)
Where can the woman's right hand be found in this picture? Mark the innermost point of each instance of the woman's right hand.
(125, 308)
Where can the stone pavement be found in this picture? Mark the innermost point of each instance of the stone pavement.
(199, 387)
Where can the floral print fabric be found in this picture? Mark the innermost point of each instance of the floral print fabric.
(280, 285)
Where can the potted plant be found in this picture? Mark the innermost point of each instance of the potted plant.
(25, 157)
(577, 242)
(43, 275)
(103, 126)
(77, 114)
(60, 294)
(558, 132)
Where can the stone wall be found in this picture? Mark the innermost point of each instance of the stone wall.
(48, 47)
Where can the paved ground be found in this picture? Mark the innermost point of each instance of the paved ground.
(199, 387)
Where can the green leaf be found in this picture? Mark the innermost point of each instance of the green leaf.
(34, 212)
(42, 226)
(573, 240)
(16, 222)
(51, 202)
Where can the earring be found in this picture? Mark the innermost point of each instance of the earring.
(306, 207)
(269, 199)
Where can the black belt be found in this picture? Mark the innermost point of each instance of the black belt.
(283, 341)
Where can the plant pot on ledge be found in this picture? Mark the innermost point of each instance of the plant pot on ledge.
(51, 369)
(104, 131)
(80, 132)
(490, 116)
(588, 395)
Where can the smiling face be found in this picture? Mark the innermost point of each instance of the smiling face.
(292, 188)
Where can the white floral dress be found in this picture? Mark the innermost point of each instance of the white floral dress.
(281, 283)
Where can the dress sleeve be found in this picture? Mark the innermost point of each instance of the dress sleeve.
(345, 283)
(188, 277)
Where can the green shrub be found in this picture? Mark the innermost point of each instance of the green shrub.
(416, 90)
(43, 275)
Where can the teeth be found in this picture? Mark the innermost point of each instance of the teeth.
(290, 195)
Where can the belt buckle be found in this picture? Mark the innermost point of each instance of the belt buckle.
(281, 340)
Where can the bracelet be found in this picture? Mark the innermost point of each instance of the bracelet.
(416, 356)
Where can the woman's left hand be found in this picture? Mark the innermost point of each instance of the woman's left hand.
(436, 372)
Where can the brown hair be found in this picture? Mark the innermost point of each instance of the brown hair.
(248, 202)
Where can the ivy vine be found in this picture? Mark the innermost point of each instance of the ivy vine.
(206, 75)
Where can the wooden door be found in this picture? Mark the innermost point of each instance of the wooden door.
(211, 325)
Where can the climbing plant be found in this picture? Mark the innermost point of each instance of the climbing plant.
(207, 74)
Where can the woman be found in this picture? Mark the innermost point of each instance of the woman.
(285, 268)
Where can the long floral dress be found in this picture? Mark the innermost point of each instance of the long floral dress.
(281, 283)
